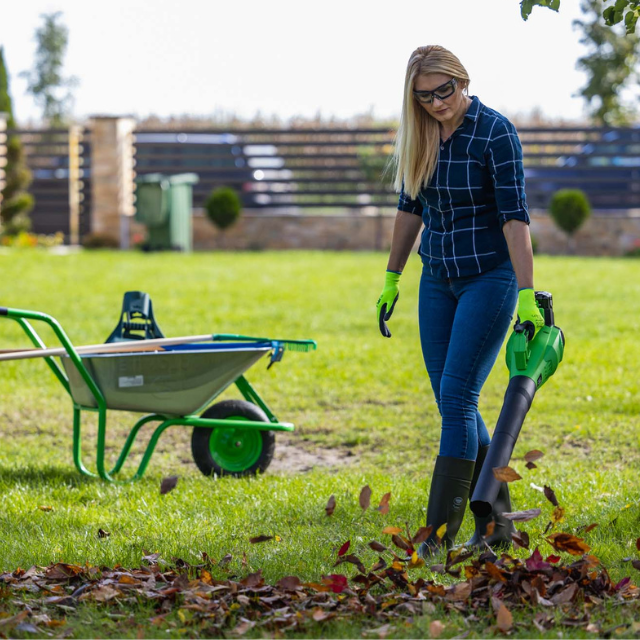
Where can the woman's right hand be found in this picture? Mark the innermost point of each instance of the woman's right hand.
(387, 301)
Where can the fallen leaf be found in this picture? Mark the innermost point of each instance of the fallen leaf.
(383, 508)
(416, 562)
(365, 497)
(377, 546)
(43, 508)
(336, 582)
(392, 530)
(168, 484)
(243, 627)
(436, 628)
(638, 544)
(550, 495)
(103, 534)
(557, 515)
(257, 539)
(401, 543)
(566, 595)
(531, 465)
(591, 527)
(566, 542)
(422, 534)
(533, 455)
(101, 594)
(289, 583)
(441, 531)
(636, 564)
(253, 580)
(225, 560)
(331, 505)
(506, 474)
(344, 548)
(520, 539)
(381, 632)
(504, 619)
(522, 516)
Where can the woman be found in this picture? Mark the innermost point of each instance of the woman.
(459, 171)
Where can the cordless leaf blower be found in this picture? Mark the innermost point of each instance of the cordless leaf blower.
(531, 362)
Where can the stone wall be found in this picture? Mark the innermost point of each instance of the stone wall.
(601, 235)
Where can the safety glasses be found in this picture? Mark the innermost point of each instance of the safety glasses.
(442, 92)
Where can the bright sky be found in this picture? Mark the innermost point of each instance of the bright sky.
(294, 57)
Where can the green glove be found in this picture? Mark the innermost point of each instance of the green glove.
(387, 301)
(528, 311)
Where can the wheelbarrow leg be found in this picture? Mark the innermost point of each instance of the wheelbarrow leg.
(77, 453)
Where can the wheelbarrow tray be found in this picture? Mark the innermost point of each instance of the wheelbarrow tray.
(177, 381)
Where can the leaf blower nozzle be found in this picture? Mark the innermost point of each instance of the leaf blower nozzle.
(531, 362)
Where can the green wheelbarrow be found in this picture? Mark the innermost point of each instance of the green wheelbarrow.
(172, 380)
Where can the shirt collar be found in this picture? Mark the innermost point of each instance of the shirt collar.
(474, 109)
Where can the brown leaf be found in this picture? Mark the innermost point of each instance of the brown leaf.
(253, 580)
(243, 627)
(319, 615)
(12, 621)
(520, 539)
(289, 583)
(531, 465)
(103, 534)
(377, 546)
(638, 544)
(522, 516)
(506, 474)
(103, 593)
(436, 628)
(566, 542)
(550, 495)
(168, 484)
(392, 530)
(636, 564)
(422, 534)
(225, 560)
(566, 595)
(504, 619)
(365, 497)
(384, 504)
(591, 527)
(494, 572)
(331, 505)
(533, 455)
(401, 543)
(257, 539)
(557, 515)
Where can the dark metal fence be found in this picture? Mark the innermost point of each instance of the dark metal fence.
(59, 160)
(327, 169)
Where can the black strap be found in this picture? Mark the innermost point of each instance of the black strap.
(4, 311)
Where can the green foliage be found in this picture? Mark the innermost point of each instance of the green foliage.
(569, 209)
(526, 6)
(223, 207)
(627, 10)
(16, 202)
(610, 65)
(46, 83)
(373, 163)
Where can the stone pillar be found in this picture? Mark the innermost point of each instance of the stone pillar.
(112, 175)
(3, 151)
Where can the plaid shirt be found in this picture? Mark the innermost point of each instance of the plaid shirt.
(477, 186)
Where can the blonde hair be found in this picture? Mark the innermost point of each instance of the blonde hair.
(417, 143)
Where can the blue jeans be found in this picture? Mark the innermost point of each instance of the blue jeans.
(463, 322)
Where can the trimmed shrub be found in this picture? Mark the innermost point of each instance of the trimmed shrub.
(223, 207)
(569, 208)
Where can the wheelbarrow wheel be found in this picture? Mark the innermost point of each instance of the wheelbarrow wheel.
(225, 451)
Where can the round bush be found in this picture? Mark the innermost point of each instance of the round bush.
(223, 207)
(569, 208)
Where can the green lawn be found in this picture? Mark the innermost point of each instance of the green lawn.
(357, 395)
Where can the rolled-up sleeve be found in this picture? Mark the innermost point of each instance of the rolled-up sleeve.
(504, 153)
(408, 204)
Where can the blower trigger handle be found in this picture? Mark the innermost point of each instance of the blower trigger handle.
(525, 327)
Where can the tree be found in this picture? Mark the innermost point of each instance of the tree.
(610, 65)
(50, 89)
(622, 10)
(16, 202)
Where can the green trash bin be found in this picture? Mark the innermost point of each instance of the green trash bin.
(163, 205)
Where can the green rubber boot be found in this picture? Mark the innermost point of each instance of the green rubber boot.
(448, 497)
(500, 539)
